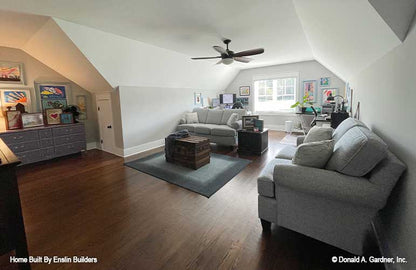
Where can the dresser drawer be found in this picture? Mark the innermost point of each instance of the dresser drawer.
(25, 146)
(29, 156)
(67, 149)
(46, 143)
(45, 133)
(61, 131)
(47, 153)
(69, 139)
(18, 137)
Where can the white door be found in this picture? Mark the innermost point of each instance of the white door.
(105, 120)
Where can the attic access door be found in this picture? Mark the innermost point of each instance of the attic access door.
(105, 121)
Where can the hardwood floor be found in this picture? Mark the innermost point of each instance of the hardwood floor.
(92, 205)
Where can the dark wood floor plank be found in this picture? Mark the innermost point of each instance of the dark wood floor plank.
(92, 205)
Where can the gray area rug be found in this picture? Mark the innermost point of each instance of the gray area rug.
(206, 180)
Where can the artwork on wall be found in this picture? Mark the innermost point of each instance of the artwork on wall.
(14, 119)
(215, 102)
(244, 90)
(325, 82)
(243, 100)
(11, 73)
(309, 89)
(198, 99)
(326, 92)
(349, 96)
(67, 118)
(10, 97)
(53, 96)
(53, 116)
(81, 102)
(32, 120)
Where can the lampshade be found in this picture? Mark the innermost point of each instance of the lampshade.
(227, 61)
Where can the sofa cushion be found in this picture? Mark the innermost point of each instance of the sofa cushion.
(202, 114)
(191, 118)
(203, 129)
(287, 152)
(214, 116)
(189, 127)
(314, 154)
(225, 116)
(265, 183)
(346, 125)
(357, 152)
(223, 130)
(317, 134)
(232, 120)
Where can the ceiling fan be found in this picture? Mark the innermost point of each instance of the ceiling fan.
(228, 56)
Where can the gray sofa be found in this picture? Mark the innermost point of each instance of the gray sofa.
(212, 124)
(325, 204)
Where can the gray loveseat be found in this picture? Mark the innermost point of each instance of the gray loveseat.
(325, 204)
(212, 124)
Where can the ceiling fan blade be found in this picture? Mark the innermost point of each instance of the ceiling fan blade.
(249, 52)
(219, 49)
(209, 57)
(242, 59)
(219, 62)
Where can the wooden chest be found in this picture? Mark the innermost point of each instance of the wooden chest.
(192, 152)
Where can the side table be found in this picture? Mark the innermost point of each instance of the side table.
(253, 142)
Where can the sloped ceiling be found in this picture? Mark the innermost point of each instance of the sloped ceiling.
(345, 36)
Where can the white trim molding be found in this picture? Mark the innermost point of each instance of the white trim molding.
(143, 147)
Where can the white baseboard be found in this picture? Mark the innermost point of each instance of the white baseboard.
(143, 147)
(93, 145)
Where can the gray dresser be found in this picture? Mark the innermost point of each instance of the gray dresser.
(42, 143)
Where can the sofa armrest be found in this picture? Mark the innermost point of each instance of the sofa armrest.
(299, 140)
(329, 184)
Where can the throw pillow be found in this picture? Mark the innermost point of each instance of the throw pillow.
(314, 154)
(191, 118)
(233, 119)
(317, 134)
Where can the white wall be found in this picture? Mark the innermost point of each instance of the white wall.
(387, 93)
(127, 62)
(149, 114)
(308, 70)
(36, 72)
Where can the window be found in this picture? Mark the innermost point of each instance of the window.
(273, 95)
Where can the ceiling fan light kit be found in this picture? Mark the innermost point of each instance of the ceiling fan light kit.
(228, 56)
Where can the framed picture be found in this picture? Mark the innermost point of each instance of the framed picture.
(52, 91)
(244, 90)
(243, 100)
(32, 120)
(81, 102)
(326, 92)
(198, 99)
(215, 102)
(53, 95)
(11, 73)
(10, 97)
(309, 89)
(349, 95)
(325, 82)
(53, 116)
(67, 118)
(248, 121)
(14, 119)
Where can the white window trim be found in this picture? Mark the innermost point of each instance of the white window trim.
(272, 76)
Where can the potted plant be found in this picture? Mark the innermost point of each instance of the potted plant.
(302, 104)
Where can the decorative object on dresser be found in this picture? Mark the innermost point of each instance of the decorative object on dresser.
(74, 110)
(258, 124)
(12, 229)
(13, 119)
(47, 142)
(251, 142)
(53, 116)
(192, 152)
(32, 120)
(244, 90)
(11, 73)
(67, 118)
(21, 108)
(248, 121)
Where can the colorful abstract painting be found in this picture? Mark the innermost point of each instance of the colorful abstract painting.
(309, 89)
(326, 92)
(12, 97)
(11, 73)
(54, 103)
(325, 81)
(52, 92)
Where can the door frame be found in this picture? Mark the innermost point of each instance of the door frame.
(101, 97)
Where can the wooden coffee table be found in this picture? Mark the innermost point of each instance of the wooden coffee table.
(192, 152)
